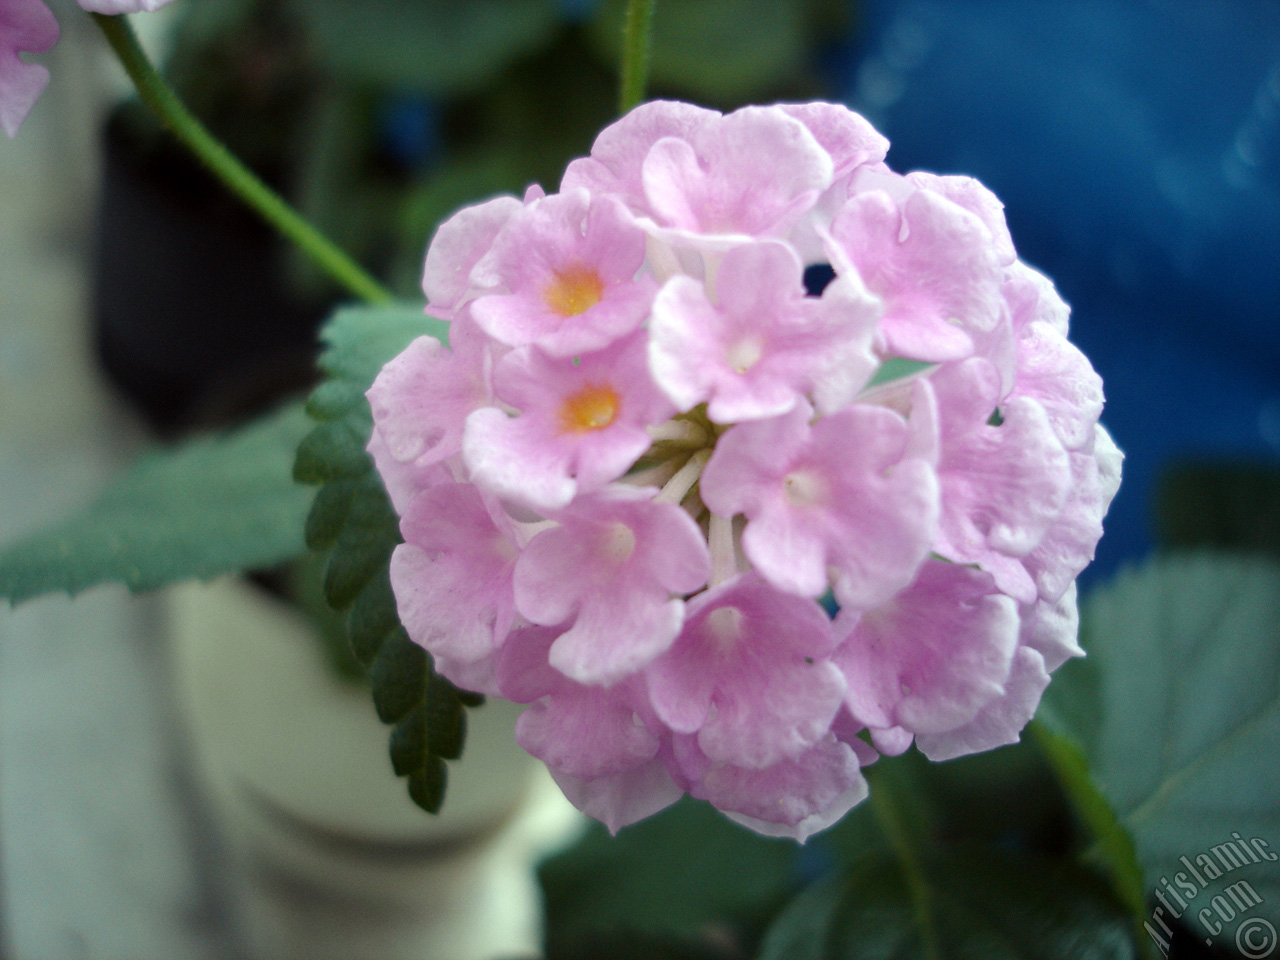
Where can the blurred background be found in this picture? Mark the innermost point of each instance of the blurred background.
(1135, 144)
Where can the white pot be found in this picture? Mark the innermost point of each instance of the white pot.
(332, 859)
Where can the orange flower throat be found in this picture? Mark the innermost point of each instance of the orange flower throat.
(593, 407)
(574, 290)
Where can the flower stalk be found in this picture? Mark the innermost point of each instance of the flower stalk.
(238, 178)
(637, 37)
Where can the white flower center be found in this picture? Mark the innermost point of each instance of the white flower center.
(619, 543)
(744, 354)
(724, 626)
(803, 488)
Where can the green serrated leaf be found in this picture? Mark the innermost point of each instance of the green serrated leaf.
(332, 451)
(360, 340)
(1188, 649)
(333, 400)
(372, 618)
(363, 549)
(329, 513)
(206, 508)
(426, 786)
(353, 516)
(409, 752)
(446, 722)
(980, 904)
(398, 677)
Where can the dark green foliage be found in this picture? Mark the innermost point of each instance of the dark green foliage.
(966, 902)
(1223, 506)
(687, 876)
(431, 46)
(353, 519)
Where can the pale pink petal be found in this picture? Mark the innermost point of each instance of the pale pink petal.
(1002, 720)
(795, 798)
(749, 674)
(122, 6)
(1002, 486)
(1068, 546)
(1053, 372)
(453, 574)
(751, 173)
(618, 153)
(564, 269)
(611, 568)
(580, 731)
(932, 263)
(622, 799)
(404, 481)
(1031, 297)
(421, 399)
(847, 137)
(581, 425)
(838, 495)
(458, 245)
(934, 655)
(26, 26)
(1053, 629)
(756, 351)
(978, 200)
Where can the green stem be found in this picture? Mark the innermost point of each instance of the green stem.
(1113, 848)
(635, 52)
(888, 814)
(157, 95)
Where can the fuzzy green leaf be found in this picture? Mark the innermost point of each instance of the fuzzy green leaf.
(353, 518)
(1188, 651)
(206, 508)
(329, 513)
(372, 618)
(399, 677)
(332, 451)
(445, 720)
(409, 752)
(426, 786)
(363, 547)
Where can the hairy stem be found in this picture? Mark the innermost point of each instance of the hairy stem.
(157, 95)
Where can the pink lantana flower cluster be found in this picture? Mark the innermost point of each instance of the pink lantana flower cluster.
(650, 451)
(27, 26)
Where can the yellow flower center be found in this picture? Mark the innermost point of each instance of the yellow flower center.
(574, 290)
(593, 407)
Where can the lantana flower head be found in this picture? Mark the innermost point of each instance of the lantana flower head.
(652, 451)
